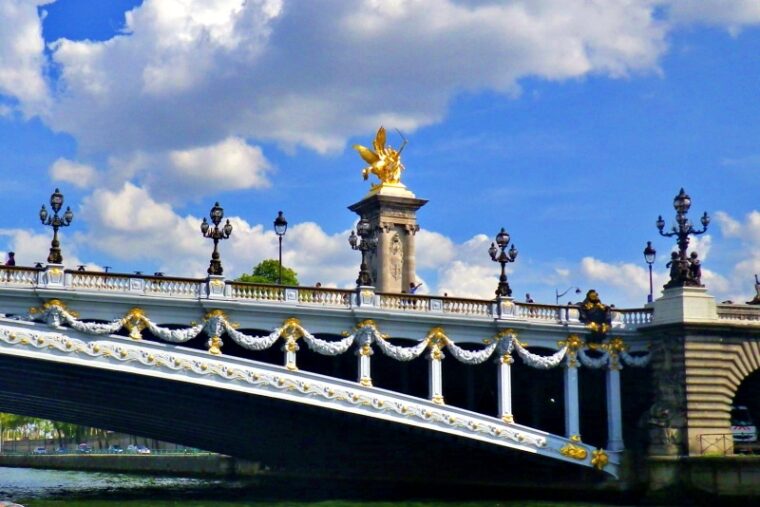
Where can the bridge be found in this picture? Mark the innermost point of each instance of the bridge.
(371, 381)
(149, 355)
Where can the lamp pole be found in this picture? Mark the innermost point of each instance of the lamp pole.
(649, 256)
(55, 221)
(364, 241)
(280, 226)
(683, 272)
(558, 295)
(216, 233)
(503, 257)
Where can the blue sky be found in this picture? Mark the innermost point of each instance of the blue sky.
(573, 126)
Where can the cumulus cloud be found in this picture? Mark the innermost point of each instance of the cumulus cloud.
(80, 175)
(731, 14)
(192, 73)
(31, 248)
(21, 54)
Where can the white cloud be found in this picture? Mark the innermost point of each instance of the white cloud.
(31, 248)
(80, 175)
(21, 54)
(192, 73)
(731, 14)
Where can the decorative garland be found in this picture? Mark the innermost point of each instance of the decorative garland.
(216, 323)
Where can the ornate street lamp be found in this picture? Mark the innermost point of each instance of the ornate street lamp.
(55, 221)
(364, 241)
(649, 256)
(280, 226)
(683, 271)
(217, 233)
(503, 257)
(558, 294)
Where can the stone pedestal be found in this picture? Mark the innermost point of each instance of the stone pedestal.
(684, 305)
(392, 213)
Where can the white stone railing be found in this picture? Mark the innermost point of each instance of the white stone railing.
(254, 292)
(744, 313)
(324, 297)
(11, 275)
(404, 302)
(218, 288)
(633, 316)
(540, 312)
(460, 306)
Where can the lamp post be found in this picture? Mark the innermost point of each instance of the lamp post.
(649, 256)
(280, 226)
(683, 272)
(216, 233)
(503, 257)
(55, 221)
(558, 295)
(364, 241)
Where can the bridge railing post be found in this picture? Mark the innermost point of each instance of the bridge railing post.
(215, 287)
(365, 296)
(504, 308)
(52, 277)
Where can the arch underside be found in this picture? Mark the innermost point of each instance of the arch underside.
(323, 435)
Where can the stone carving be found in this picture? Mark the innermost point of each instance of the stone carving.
(396, 257)
(666, 417)
(596, 315)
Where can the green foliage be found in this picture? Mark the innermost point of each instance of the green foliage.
(267, 271)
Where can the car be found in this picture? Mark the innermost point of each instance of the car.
(61, 450)
(84, 449)
(143, 450)
(115, 449)
(743, 428)
(39, 450)
(131, 448)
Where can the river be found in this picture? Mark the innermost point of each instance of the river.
(55, 488)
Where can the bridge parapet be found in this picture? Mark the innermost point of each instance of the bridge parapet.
(177, 288)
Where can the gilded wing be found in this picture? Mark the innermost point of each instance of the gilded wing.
(368, 155)
(379, 143)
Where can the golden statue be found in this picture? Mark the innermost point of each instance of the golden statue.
(384, 162)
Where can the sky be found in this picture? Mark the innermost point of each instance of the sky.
(571, 123)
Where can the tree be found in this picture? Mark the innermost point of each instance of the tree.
(267, 271)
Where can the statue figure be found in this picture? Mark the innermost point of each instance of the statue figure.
(695, 269)
(384, 162)
(596, 315)
(756, 300)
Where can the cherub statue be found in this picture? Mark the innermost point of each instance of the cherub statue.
(384, 162)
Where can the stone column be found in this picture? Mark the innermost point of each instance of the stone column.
(614, 407)
(391, 212)
(410, 264)
(572, 407)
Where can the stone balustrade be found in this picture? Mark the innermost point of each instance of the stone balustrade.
(193, 288)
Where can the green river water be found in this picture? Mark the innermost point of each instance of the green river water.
(54, 488)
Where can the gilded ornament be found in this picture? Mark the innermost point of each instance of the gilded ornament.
(506, 359)
(573, 343)
(366, 382)
(384, 162)
(215, 345)
(599, 459)
(508, 418)
(135, 321)
(574, 451)
(575, 438)
(438, 399)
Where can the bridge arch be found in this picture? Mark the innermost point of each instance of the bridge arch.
(715, 369)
